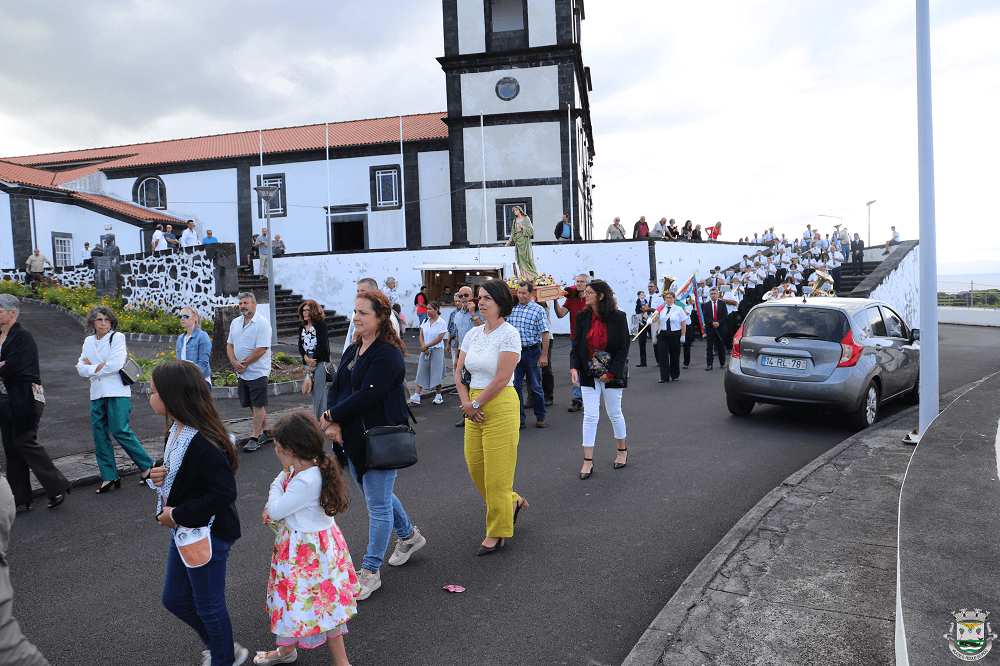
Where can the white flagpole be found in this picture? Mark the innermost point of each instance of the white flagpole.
(569, 133)
(482, 139)
(402, 184)
(328, 186)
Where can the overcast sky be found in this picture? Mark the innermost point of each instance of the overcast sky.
(748, 112)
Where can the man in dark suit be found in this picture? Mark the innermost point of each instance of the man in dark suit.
(857, 256)
(714, 314)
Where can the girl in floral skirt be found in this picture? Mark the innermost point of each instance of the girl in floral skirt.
(310, 594)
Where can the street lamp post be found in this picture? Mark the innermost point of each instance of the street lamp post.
(266, 193)
(869, 204)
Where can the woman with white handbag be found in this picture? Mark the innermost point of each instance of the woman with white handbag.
(104, 354)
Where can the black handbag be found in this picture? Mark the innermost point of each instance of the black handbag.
(131, 371)
(390, 447)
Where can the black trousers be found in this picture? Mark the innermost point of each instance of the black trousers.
(669, 343)
(714, 342)
(25, 454)
(857, 264)
(642, 347)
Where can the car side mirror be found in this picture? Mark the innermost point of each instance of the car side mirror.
(914, 334)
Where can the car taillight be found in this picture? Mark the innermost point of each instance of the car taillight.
(849, 352)
(736, 342)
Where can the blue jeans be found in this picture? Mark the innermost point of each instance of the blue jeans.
(577, 393)
(198, 598)
(385, 513)
(421, 318)
(528, 367)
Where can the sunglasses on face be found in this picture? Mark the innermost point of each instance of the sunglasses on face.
(185, 316)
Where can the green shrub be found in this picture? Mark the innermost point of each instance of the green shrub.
(282, 357)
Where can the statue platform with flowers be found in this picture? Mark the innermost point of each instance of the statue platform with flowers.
(546, 287)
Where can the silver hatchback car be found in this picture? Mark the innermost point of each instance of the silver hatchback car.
(845, 354)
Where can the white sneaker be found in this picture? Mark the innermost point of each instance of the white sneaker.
(369, 583)
(240, 655)
(438, 399)
(415, 398)
(406, 547)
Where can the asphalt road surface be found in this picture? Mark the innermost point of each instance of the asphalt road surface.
(590, 565)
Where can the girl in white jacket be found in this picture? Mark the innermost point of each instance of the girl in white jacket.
(104, 354)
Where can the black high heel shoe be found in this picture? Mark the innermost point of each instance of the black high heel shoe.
(517, 508)
(619, 465)
(144, 479)
(485, 550)
(586, 475)
(106, 488)
(55, 502)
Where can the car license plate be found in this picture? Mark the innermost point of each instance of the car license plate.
(776, 362)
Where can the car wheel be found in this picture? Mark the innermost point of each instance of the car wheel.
(867, 412)
(913, 397)
(739, 407)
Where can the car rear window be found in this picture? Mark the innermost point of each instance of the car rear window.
(799, 321)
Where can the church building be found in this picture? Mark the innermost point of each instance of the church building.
(517, 122)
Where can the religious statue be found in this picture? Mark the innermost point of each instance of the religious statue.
(520, 236)
(107, 268)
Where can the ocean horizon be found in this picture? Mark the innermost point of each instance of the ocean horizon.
(953, 284)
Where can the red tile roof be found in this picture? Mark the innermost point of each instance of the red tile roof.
(282, 140)
(22, 175)
(132, 210)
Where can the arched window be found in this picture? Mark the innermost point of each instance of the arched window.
(151, 193)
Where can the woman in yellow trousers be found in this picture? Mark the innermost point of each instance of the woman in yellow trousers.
(492, 410)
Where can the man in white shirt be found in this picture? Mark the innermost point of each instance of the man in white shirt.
(892, 241)
(824, 243)
(157, 243)
(837, 258)
(249, 351)
(390, 290)
(264, 249)
(782, 261)
(660, 229)
(189, 238)
(85, 255)
(769, 237)
(755, 240)
(807, 237)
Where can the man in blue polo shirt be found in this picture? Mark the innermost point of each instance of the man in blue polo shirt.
(249, 351)
(531, 322)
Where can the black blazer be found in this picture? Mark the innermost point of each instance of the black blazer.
(322, 353)
(20, 369)
(618, 344)
(857, 246)
(370, 389)
(205, 486)
(706, 312)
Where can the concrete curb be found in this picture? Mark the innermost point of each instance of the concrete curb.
(219, 392)
(653, 643)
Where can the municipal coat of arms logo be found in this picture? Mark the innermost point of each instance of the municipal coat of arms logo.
(970, 636)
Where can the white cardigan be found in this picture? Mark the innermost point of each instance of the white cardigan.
(299, 503)
(107, 383)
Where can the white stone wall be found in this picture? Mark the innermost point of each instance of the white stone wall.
(66, 277)
(471, 26)
(6, 246)
(85, 226)
(901, 288)
(541, 22)
(530, 150)
(546, 210)
(435, 202)
(332, 279)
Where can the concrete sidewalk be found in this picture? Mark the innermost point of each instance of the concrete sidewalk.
(808, 576)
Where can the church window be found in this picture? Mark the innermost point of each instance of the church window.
(385, 187)
(505, 214)
(508, 15)
(151, 193)
(62, 248)
(278, 204)
(507, 88)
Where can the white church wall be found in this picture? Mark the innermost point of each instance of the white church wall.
(541, 22)
(681, 259)
(435, 202)
(538, 90)
(531, 150)
(84, 225)
(901, 288)
(471, 26)
(546, 210)
(6, 245)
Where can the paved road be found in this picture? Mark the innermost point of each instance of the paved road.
(591, 564)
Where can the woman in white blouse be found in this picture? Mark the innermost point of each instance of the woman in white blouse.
(492, 409)
(104, 354)
(430, 367)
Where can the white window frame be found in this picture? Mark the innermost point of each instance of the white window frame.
(62, 258)
(380, 196)
(277, 203)
(141, 194)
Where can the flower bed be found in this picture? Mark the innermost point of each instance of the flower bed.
(146, 317)
(284, 368)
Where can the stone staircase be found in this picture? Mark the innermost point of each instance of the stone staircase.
(286, 313)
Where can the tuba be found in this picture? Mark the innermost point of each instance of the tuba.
(822, 277)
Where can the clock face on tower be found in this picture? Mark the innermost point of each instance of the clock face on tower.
(507, 88)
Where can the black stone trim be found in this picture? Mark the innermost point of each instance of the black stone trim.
(520, 118)
(517, 182)
(244, 210)
(652, 261)
(411, 190)
(456, 163)
(20, 228)
(345, 209)
(374, 190)
(143, 178)
(501, 223)
(284, 200)
(450, 16)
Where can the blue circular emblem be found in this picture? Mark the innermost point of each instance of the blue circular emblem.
(507, 88)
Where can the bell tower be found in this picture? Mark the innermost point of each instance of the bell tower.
(518, 116)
